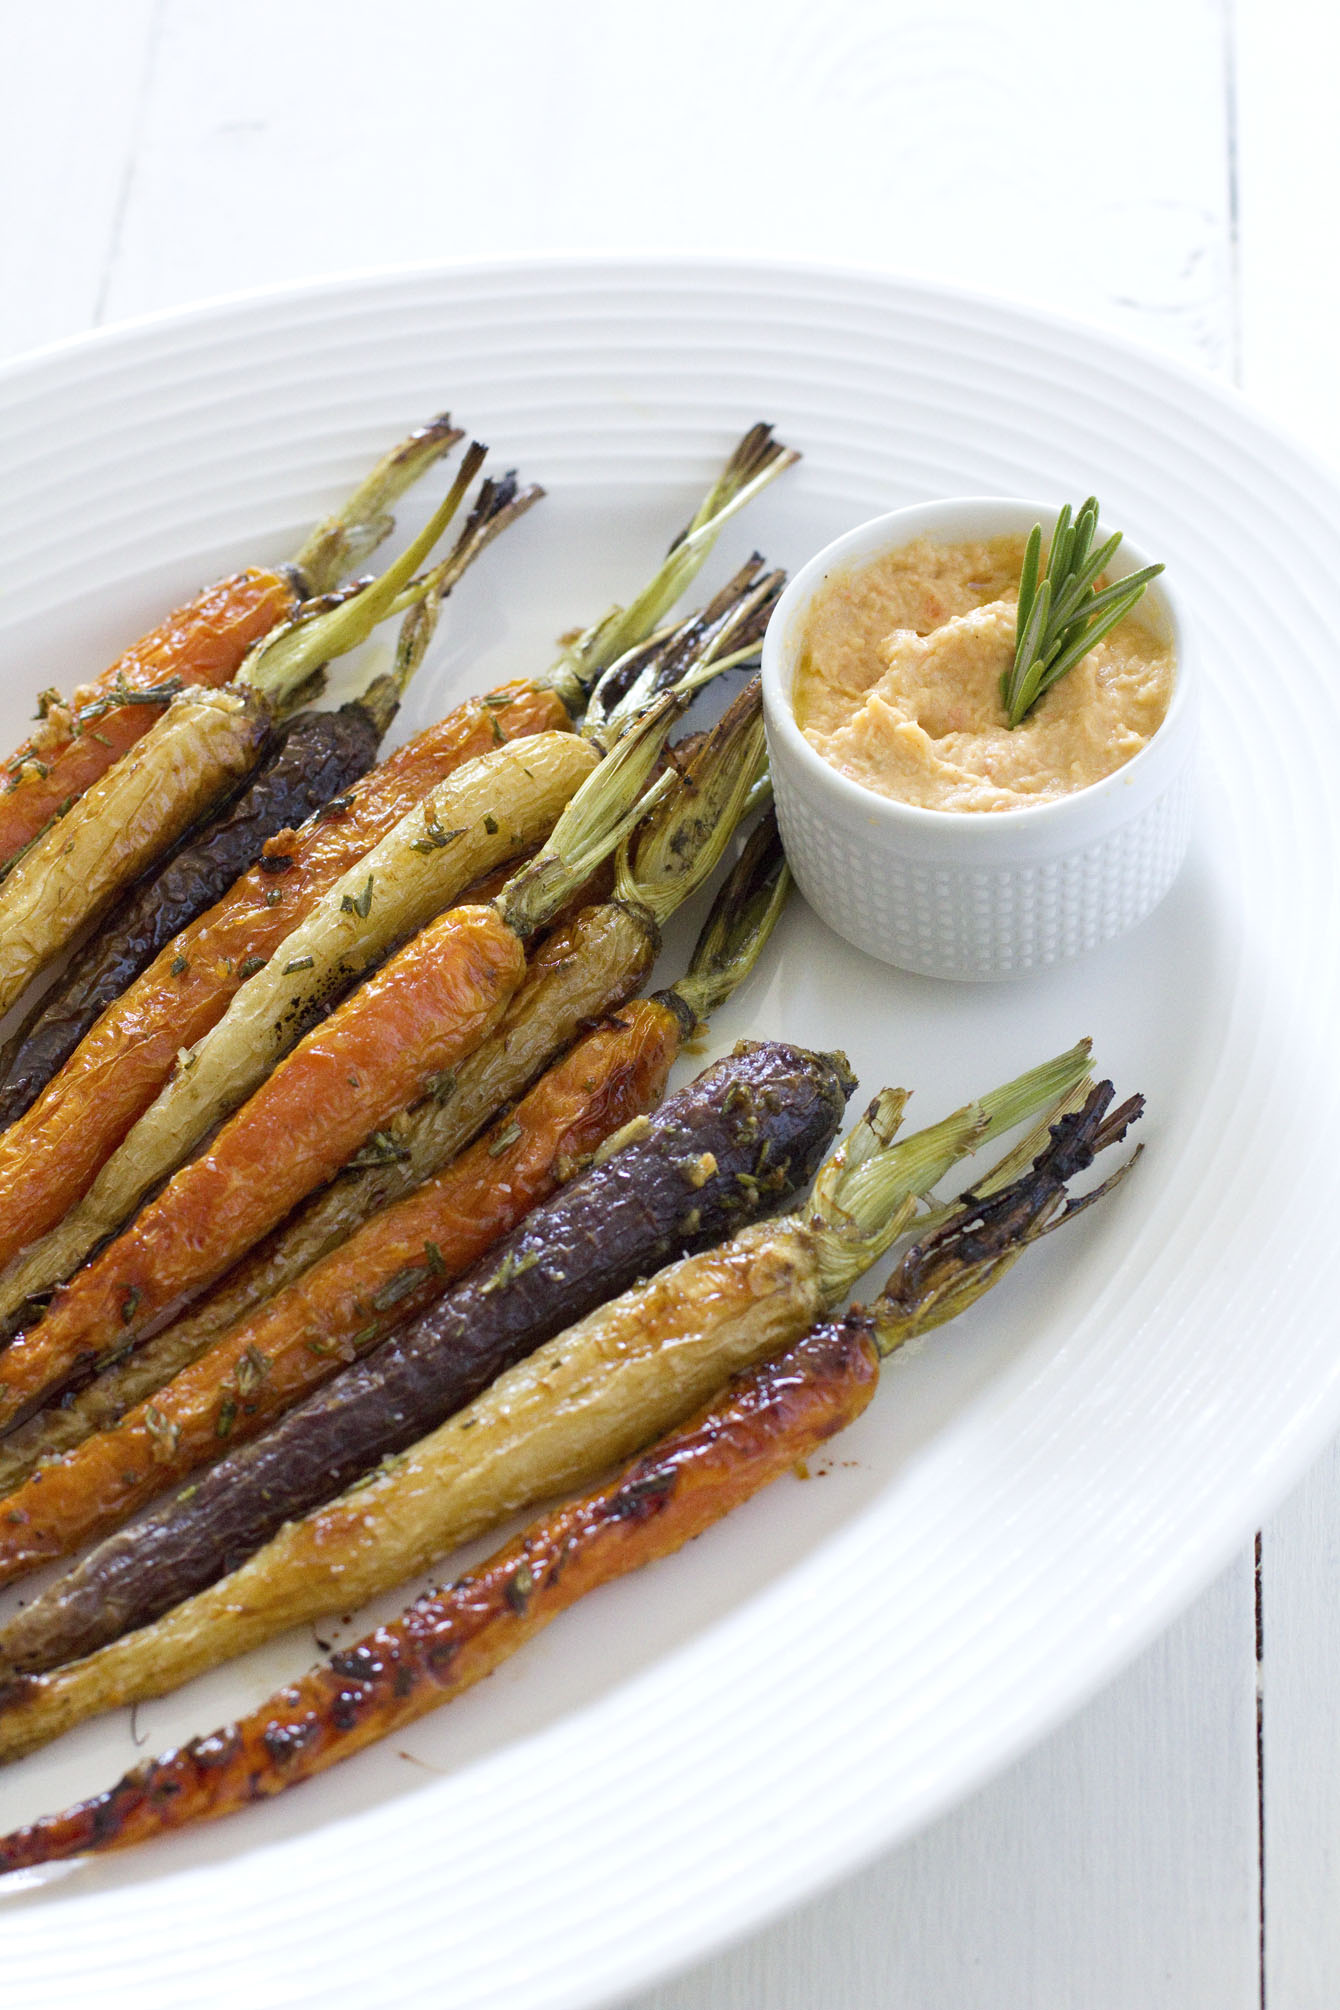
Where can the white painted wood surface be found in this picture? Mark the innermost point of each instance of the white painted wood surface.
(1169, 172)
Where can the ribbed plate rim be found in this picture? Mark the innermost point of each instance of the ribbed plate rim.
(1195, 1564)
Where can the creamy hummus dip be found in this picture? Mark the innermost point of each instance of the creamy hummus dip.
(898, 684)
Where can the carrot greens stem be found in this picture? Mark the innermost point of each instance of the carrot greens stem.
(757, 460)
(288, 655)
(866, 1192)
(341, 542)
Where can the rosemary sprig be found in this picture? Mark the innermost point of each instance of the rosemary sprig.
(1061, 613)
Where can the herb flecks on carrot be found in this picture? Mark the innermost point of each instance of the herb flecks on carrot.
(397, 1263)
(238, 1509)
(412, 1019)
(754, 1433)
(50, 1156)
(196, 752)
(585, 970)
(204, 642)
(114, 1076)
(750, 1433)
(314, 758)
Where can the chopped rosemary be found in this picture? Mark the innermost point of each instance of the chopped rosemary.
(504, 1139)
(358, 903)
(511, 1266)
(273, 897)
(491, 826)
(299, 963)
(161, 1429)
(129, 1304)
(631, 1133)
(60, 810)
(400, 1286)
(519, 1587)
(251, 1370)
(250, 965)
(180, 966)
(122, 694)
(434, 837)
(336, 807)
(1062, 613)
(381, 1149)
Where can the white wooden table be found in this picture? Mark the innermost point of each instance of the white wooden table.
(1169, 169)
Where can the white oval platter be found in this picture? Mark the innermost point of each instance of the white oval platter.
(1034, 1493)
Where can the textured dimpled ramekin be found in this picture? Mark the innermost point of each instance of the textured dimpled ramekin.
(989, 894)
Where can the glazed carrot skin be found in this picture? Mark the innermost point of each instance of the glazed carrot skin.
(759, 1427)
(413, 1019)
(312, 757)
(583, 972)
(394, 1266)
(203, 642)
(51, 1155)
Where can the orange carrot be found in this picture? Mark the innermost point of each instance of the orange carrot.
(759, 1427)
(379, 1050)
(203, 642)
(751, 1432)
(424, 1011)
(392, 1267)
(50, 1156)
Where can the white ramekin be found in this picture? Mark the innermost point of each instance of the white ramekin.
(987, 894)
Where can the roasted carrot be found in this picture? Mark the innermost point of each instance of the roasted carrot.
(381, 1048)
(403, 1258)
(145, 801)
(50, 1157)
(586, 1396)
(450, 1639)
(195, 753)
(394, 1266)
(408, 1023)
(675, 1186)
(584, 971)
(753, 1431)
(311, 757)
(204, 642)
(186, 1238)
